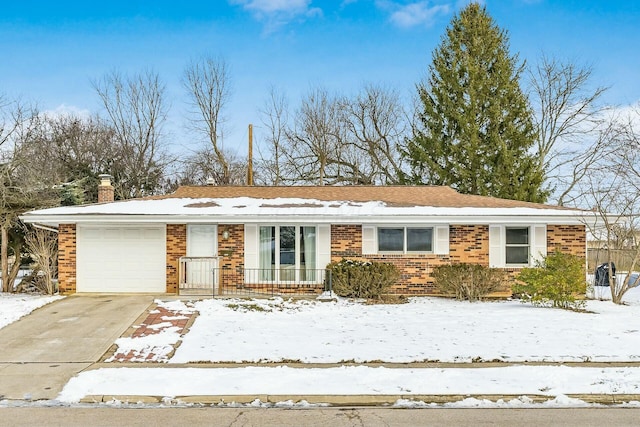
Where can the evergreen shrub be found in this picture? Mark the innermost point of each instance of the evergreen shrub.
(362, 279)
(469, 282)
(556, 281)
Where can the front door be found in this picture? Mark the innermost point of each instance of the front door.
(202, 246)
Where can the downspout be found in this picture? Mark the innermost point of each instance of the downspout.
(45, 227)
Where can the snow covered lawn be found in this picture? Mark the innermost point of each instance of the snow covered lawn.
(14, 306)
(426, 329)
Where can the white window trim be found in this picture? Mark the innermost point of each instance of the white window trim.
(252, 249)
(519, 245)
(439, 239)
(497, 244)
(296, 255)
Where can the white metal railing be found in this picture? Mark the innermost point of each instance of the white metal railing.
(198, 274)
(270, 281)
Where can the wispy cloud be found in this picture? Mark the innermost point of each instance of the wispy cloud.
(409, 15)
(276, 13)
(64, 110)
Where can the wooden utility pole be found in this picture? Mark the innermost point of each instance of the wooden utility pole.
(250, 162)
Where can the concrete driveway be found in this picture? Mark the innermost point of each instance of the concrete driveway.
(41, 351)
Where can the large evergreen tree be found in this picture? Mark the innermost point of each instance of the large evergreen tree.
(475, 131)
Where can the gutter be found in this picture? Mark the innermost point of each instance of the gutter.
(54, 220)
(45, 227)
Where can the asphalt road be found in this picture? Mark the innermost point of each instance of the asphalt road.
(334, 417)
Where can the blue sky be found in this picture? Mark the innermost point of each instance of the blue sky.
(51, 50)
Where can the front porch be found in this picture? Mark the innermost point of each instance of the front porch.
(203, 276)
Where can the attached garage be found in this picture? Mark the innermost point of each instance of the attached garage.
(118, 258)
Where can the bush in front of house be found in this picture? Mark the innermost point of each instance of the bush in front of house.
(470, 282)
(555, 281)
(362, 279)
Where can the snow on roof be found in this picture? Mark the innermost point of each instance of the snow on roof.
(349, 204)
(247, 207)
(397, 196)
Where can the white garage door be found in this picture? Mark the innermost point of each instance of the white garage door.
(121, 259)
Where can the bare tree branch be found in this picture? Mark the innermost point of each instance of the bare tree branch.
(567, 115)
(612, 191)
(275, 118)
(333, 139)
(22, 187)
(136, 111)
(207, 82)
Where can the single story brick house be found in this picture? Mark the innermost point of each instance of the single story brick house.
(286, 234)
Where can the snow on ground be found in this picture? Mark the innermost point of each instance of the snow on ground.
(353, 380)
(426, 329)
(155, 347)
(14, 306)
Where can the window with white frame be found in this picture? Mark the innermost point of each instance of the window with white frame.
(287, 253)
(517, 245)
(405, 239)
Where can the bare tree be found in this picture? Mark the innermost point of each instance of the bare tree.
(207, 82)
(135, 111)
(43, 249)
(22, 187)
(572, 183)
(12, 117)
(70, 152)
(377, 128)
(11, 113)
(333, 139)
(203, 168)
(567, 118)
(317, 138)
(272, 165)
(613, 192)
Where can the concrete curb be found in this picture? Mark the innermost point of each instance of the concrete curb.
(351, 400)
(300, 365)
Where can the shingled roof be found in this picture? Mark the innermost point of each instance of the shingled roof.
(393, 196)
(346, 204)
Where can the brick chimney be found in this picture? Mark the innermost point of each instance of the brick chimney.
(105, 189)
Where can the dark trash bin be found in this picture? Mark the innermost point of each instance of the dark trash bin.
(602, 274)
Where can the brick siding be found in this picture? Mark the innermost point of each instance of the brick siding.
(67, 258)
(568, 238)
(467, 244)
(176, 248)
(346, 242)
(232, 252)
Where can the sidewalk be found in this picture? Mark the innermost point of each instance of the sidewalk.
(354, 385)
